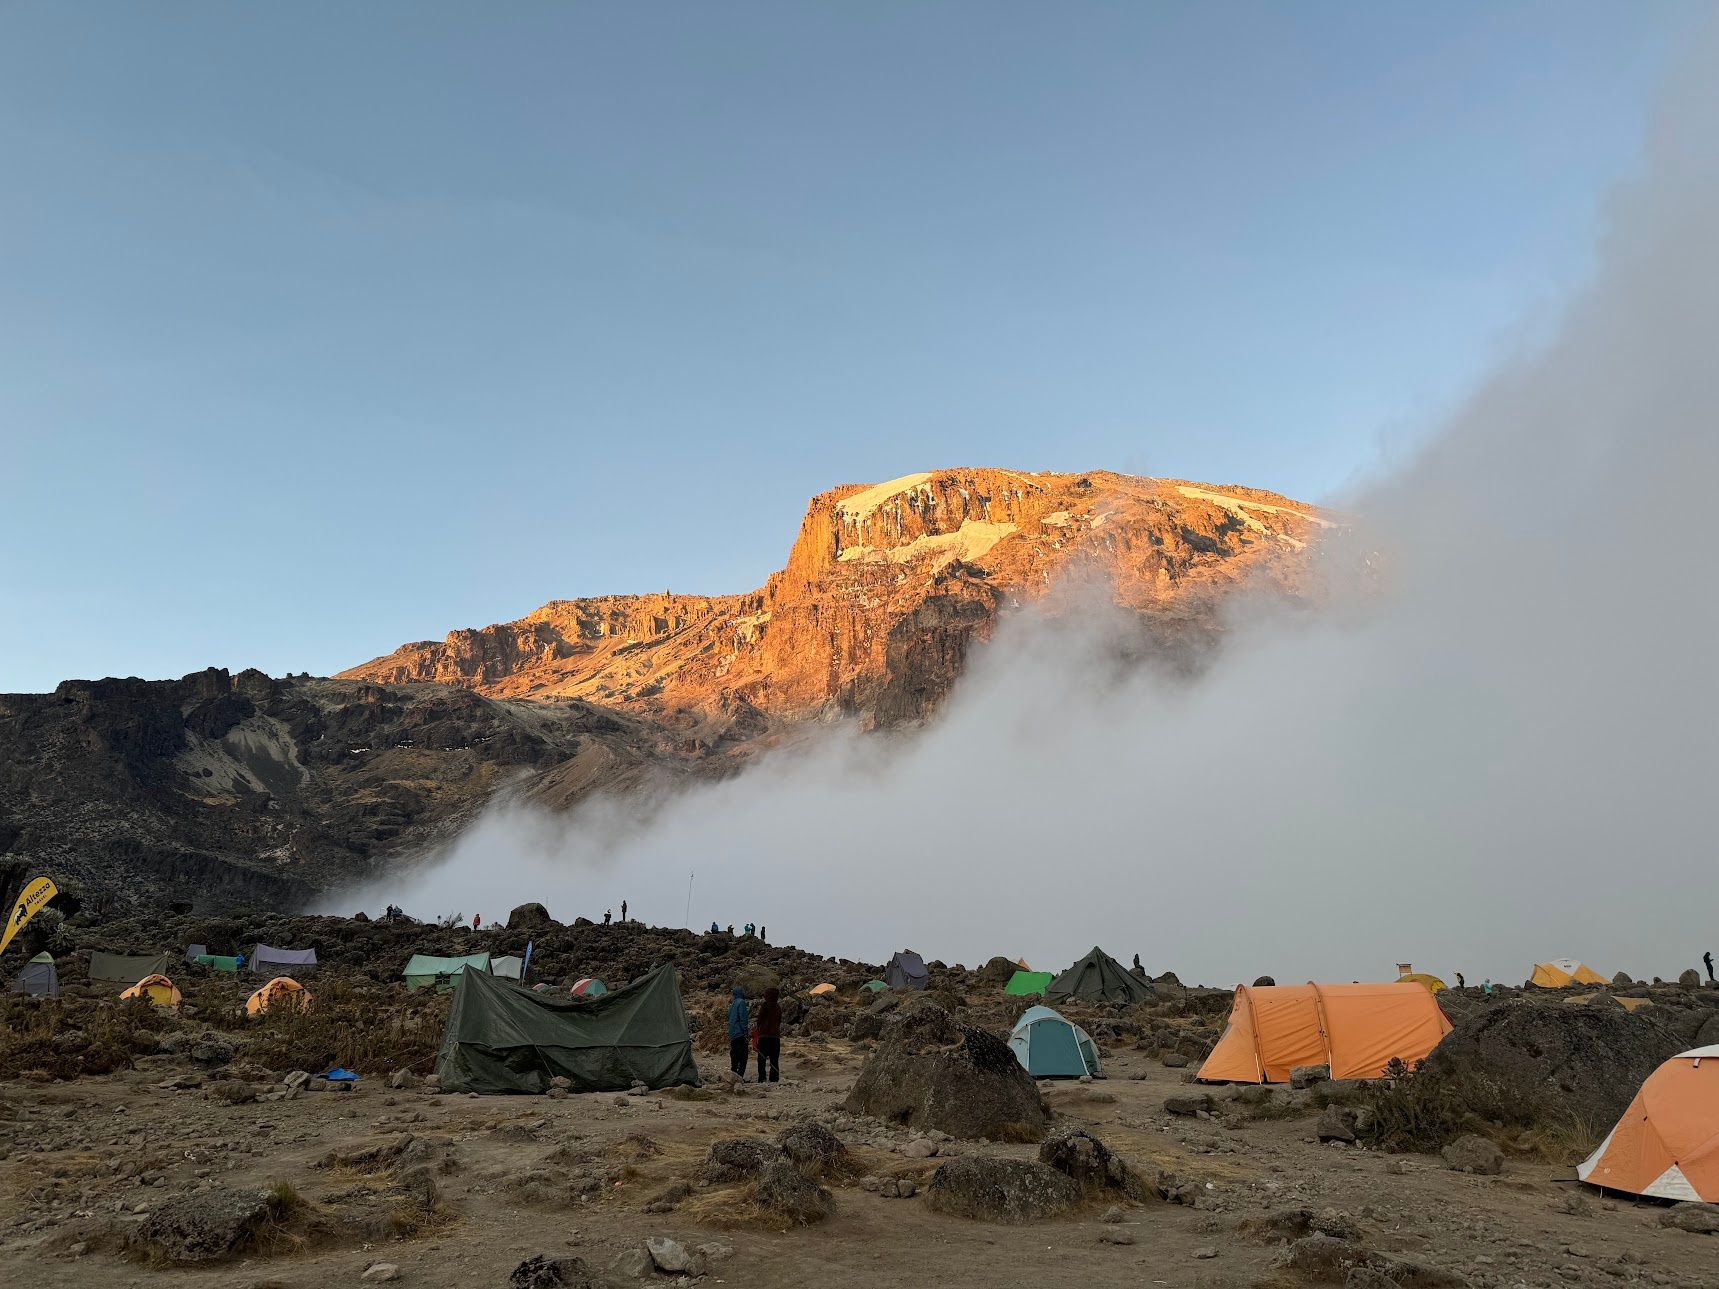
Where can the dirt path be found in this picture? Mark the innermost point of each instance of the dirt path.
(58, 1181)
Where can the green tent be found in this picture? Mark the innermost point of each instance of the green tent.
(1098, 978)
(1023, 984)
(1049, 1047)
(502, 1037)
(874, 986)
(424, 970)
(126, 969)
(216, 962)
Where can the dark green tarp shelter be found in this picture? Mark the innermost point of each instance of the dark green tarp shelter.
(425, 970)
(1098, 978)
(502, 1037)
(216, 962)
(125, 969)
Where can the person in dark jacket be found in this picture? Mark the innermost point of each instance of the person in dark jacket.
(770, 1037)
(739, 1026)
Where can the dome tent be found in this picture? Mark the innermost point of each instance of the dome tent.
(38, 977)
(906, 970)
(156, 989)
(1050, 1047)
(1355, 1029)
(589, 987)
(1666, 1145)
(1098, 978)
(1564, 971)
(282, 991)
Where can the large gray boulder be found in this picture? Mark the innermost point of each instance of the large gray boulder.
(1093, 1166)
(203, 1226)
(1000, 1190)
(1525, 1063)
(931, 1072)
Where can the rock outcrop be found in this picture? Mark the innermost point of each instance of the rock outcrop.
(931, 1072)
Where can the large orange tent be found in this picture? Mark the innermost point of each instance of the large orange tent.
(157, 989)
(1667, 1143)
(1355, 1029)
(1564, 971)
(282, 989)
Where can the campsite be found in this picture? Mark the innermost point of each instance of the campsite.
(407, 1105)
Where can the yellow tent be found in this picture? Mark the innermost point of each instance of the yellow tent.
(1564, 971)
(1421, 978)
(1022, 964)
(825, 988)
(282, 989)
(157, 989)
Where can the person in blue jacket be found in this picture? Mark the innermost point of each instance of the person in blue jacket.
(739, 1030)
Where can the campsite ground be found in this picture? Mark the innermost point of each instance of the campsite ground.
(77, 1160)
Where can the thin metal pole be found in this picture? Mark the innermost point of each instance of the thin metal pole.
(687, 924)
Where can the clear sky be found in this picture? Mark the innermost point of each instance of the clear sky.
(328, 327)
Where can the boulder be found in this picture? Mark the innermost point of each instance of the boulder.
(1523, 1063)
(1472, 1154)
(1094, 1167)
(991, 1189)
(1305, 1076)
(673, 1258)
(1174, 1061)
(1701, 1219)
(931, 1072)
(545, 1272)
(786, 1192)
(814, 1149)
(737, 1159)
(1622, 978)
(1337, 1123)
(998, 971)
(1325, 1259)
(203, 1226)
(1690, 979)
(530, 917)
(1263, 982)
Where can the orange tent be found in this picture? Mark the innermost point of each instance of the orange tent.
(825, 988)
(1355, 1029)
(1667, 1143)
(157, 989)
(1564, 971)
(280, 989)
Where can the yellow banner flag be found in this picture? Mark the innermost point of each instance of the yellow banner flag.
(35, 895)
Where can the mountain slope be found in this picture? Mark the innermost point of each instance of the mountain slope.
(224, 791)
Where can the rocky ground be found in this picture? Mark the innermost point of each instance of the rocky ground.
(202, 1154)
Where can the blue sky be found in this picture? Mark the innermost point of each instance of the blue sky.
(328, 327)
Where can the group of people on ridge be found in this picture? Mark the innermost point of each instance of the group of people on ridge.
(763, 933)
(766, 1032)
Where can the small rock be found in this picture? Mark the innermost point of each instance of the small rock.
(919, 1149)
(1205, 1251)
(1190, 1106)
(1305, 1076)
(380, 1271)
(1173, 1061)
(402, 1079)
(1112, 1214)
(1116, 1235)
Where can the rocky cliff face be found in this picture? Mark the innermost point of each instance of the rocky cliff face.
(884, 589)
(227, 791)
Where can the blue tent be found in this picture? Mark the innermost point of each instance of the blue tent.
(1049, 1047)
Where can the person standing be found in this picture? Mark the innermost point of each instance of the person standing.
(623, 910)
(1708, 959)
(477, 921)
(770, 1037)
(764, 938)
(738, 1026)
(608, 916)
(1460, 982)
